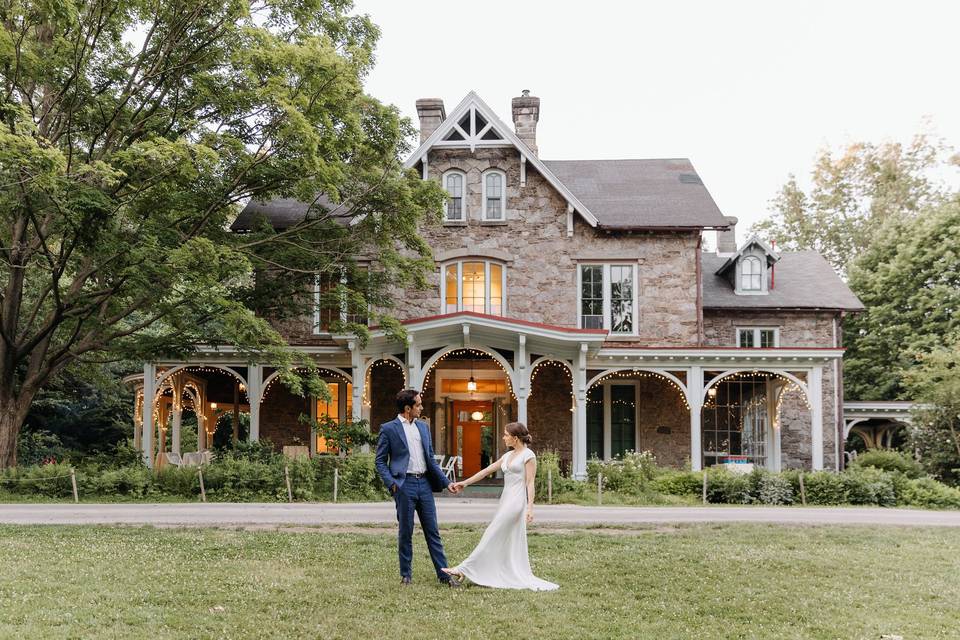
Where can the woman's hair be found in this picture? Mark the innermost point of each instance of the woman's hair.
(406, 398)
(519, 430)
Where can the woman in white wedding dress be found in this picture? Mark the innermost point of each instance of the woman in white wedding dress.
(500, 559)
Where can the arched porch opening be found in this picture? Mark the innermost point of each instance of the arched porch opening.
(551, 409)
(468, 397)
(756, 417)
(286, 418)
(638, 409)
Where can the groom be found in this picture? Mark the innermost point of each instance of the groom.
(406, 465)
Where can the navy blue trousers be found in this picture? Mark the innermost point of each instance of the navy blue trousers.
(415, 496)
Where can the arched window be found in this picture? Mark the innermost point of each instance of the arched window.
(494, 194)
(751, 271)
(474, 285)
(454, 182)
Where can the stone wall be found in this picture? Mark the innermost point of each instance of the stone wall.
(280, 417)
(549, 418)
(664, 423)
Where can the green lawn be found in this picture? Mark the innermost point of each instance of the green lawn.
(702, 581)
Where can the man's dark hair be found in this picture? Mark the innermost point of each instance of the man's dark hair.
(406, 398)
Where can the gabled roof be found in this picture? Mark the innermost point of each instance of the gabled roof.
(282, 213)
(755, 241)
(804, 280)
(473, 101)
(641, 194)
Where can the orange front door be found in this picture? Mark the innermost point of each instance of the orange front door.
(469, 430)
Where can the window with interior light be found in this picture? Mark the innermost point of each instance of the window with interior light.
(474, 285)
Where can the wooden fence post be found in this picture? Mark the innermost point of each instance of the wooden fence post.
(803, 491)
(73, 481)
(599, 487)
(286, 475)
(704, 486)
(203, 492)
(336, 482)
(549, 486)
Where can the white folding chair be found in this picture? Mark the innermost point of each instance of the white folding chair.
(192, 459)
(174, 458)
(450, 469)
(438, 458)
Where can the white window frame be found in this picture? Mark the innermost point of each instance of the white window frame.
(607, 297)
(738, 288)
(316, 304)
(503, 194)
(463, 196)
(486, 285)
(756, 336)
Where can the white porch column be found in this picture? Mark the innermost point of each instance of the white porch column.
(815, 396)
(522, 381)
(177, 413)
(149, 391)
(580, 422)
(359, 380)
(413, 364)
(695, 400)
(254, 394)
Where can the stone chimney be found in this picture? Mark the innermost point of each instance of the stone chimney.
(431, 114)
(526, 113)
(727, 240)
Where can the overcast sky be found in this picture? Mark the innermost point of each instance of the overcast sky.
(749, 91)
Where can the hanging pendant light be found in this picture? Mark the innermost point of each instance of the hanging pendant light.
(471, 383)
(476, 416)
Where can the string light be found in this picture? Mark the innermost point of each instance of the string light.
(639, 373)
(331, 372)
(474, 352)
(365, 399)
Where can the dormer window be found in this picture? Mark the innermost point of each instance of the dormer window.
(454, 183)
(751, 274)
(494, 183)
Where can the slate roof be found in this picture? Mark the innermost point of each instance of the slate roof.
(283, 213)
(802, 280)
(640, 194)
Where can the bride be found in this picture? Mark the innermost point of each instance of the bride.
(500, 559)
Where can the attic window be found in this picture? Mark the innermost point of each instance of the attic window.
(453, 182)
(751, 274)
(494, 182)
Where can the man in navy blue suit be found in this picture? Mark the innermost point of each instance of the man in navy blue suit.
(406, 466)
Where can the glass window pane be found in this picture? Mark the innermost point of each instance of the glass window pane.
(591, 296)
(496, 289)
(595, 422)
(767, 338)
(746, 338)
(473, 286)
(621, 298)
(450, 304)
(494, 196)
(328, 409)
(623, 419)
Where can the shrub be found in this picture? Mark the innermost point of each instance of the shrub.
(927, 492)
(726, 487)
(678, 483)
(889, 460)
(824, 487)
(868, 485)
(549, 461)
(359, 479)
(52, 480)
(775, 489)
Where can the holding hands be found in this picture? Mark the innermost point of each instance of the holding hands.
(455, 487)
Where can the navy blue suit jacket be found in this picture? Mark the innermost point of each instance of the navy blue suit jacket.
(393, 456)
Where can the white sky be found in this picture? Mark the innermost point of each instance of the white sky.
(749, 91)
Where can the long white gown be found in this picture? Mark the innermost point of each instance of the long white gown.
(500, 559)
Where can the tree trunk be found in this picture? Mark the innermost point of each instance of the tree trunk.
(10, 424)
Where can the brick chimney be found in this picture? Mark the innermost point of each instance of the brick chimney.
(526, 113)
(431, 114)
(727, 240)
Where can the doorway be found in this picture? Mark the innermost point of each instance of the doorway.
(475, 434)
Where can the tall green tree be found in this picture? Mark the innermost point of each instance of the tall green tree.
(130, 133)
(909, 281)
(853, 193)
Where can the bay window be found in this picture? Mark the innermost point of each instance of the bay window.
(474, 285)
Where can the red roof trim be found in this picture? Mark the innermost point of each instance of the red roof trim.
(526, 323)
(614, 345)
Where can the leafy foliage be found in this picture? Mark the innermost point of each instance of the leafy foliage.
(889, 460)
(131, 132)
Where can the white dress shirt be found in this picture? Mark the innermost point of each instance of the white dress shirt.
(417, 463)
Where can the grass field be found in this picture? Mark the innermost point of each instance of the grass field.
(702, 581)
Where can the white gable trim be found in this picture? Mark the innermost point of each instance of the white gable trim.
(772, 256)
(450, 124)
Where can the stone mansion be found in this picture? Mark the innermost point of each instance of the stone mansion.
(575, 296)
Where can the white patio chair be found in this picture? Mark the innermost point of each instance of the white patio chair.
(192, 459)
(450, 468)
(438, 458)
(174, 458)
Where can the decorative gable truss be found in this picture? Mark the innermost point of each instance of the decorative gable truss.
(474, 125)
(750, 270)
